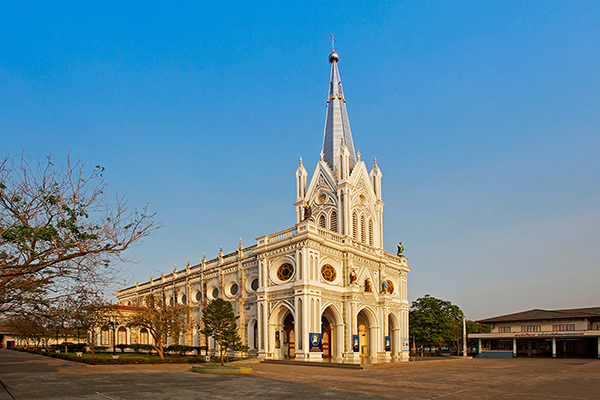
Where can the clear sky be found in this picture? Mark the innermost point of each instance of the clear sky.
(484, 118)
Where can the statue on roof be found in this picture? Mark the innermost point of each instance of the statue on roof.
(307, 211)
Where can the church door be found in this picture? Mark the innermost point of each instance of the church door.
(326, 343)
(289, 344)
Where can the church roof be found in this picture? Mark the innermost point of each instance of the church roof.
(337, 125)
(538, 315)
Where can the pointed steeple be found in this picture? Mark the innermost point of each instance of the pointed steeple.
(337, 125)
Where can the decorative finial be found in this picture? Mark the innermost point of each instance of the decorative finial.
(300, 161)
(322, 156)
(375, 162)
(358, 156)
(333, 57)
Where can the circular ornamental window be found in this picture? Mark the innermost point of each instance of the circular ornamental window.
(254, 284)
(285, 272)
(183, 299)
(328, 273)
(234, 289)
(215, 293)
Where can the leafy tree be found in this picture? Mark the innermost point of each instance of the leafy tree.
(435, 322)
(475, 327)
(161, 320)
(219, 321)
(58, 231)
(28, 326)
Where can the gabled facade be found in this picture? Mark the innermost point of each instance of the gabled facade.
(324, 288)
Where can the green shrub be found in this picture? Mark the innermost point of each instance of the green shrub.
(179, 348)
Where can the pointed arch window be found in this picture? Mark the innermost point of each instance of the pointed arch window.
(333, 221)
(362, 229)
(322, 221)
(354, 226)
(370, 232)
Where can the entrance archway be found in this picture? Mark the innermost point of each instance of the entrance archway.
(282, 337)
(393, 333)
(332, 333)
(366, 322)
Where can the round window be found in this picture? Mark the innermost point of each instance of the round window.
(215, 293)
(234, 289)
(254, 285)
(183, 299)
(170, 301)
(285, 272)
(328, 273)
(198, 296)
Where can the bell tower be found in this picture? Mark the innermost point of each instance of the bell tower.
(343, 196)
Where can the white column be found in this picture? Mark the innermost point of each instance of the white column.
(515, 347)
(553, 347)
(479, 346)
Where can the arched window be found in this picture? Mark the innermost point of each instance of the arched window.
(322, 221)
(333, 221)
(122, 336)
(370, 232)
(354, 226)
(144, 337)
(105, 336)
(362, 230)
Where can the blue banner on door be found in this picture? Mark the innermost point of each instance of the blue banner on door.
(388, 345)
(315, 341)
(355, 343)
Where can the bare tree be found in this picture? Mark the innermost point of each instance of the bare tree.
(58, 231)
(90, 313)
(161, 319)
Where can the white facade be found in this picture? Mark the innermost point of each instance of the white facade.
(327, 275)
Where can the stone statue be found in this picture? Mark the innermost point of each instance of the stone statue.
(353, 277)
(400, 249)
(368, 285)
(307, 212)
(385, 286)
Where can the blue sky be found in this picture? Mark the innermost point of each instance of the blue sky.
(483, 117)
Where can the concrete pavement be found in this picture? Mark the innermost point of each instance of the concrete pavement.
(37, 377)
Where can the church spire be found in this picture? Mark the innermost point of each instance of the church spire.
(337, 125)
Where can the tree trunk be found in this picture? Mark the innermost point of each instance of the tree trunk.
(92, 343)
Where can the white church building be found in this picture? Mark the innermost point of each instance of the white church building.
(322, 289)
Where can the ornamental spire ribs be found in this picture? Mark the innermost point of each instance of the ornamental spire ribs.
(337, 125)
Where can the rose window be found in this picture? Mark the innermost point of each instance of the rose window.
(328, 273)
(285, 272)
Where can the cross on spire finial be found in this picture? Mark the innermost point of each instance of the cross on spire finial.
(332, 41)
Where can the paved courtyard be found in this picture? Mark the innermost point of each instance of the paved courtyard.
(35, 377)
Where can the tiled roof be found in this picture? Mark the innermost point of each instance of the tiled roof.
(538, 315)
